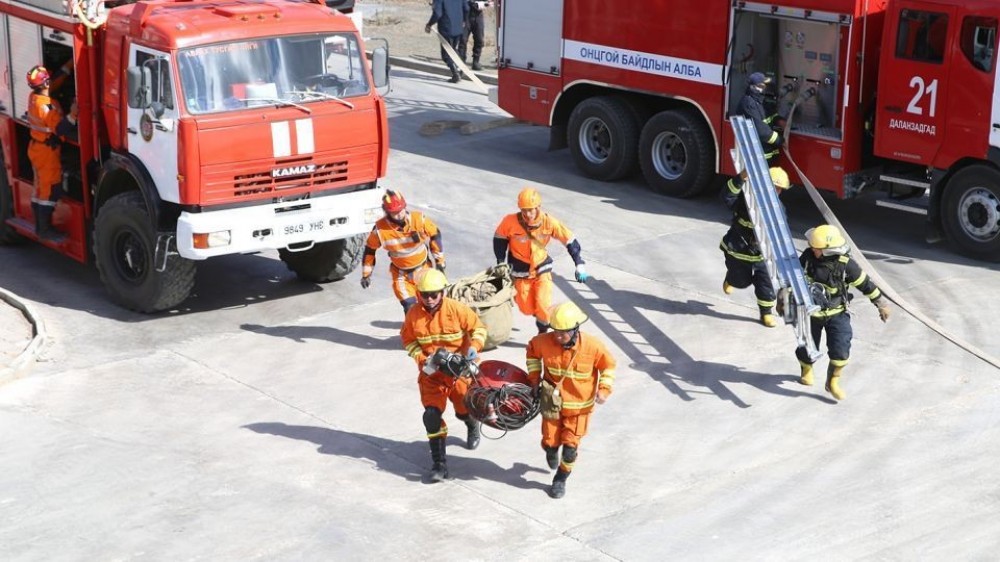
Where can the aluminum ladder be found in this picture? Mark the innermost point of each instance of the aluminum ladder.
(773, 235)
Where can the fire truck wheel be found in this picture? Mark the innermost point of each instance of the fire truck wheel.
(971, 212)
(676, 153)
(7, 234)
(124, 244)
(603, 137)
(326, 261)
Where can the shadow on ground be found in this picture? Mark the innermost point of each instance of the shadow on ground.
(407, 459)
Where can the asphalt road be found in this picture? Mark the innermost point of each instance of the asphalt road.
(272, 419)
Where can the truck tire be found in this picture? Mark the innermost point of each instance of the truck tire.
(7, 234)
(124, 246)
(326, 261)
(603, 137)
(971, 212)
(676, 154)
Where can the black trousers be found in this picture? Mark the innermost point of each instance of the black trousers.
(475, 25)
(838, 336)
(456, 43)
(741, 274)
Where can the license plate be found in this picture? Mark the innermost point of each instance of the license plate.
(303, 228)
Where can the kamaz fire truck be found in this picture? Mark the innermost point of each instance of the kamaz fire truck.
(896, 94)
(205, 128)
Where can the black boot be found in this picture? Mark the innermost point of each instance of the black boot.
(439, 471)
(552, 457)
(455, 77)
(472, 441)
(43, 224)
(475, 64)
(558, 488)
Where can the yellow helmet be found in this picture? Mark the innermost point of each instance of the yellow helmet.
(566, 316)
(529, 198)
(432, 281)
(825, 236)
(780, 178)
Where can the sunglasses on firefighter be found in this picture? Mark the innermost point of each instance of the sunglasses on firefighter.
(430, 295)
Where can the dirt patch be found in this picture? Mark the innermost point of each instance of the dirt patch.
(401, 22)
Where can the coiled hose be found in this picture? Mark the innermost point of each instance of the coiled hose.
(507, 407)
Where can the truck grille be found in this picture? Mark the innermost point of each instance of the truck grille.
(263, 181)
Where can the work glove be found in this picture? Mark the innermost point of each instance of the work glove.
(581, 274)
(471, 354)
(602, 396)
(427, 28)
(883, 308)
(366, 281)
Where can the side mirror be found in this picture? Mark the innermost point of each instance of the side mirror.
(380, 67)
(138, 80)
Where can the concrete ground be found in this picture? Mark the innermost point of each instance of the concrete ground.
(271, 419)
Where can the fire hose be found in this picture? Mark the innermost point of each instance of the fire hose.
(498, 395)
(886, 289)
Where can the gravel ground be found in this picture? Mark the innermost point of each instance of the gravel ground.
(402, 22)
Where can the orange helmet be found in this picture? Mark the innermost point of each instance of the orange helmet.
(38, 76)
(529, 198)
(393, 202)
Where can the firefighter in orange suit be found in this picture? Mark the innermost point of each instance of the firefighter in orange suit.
(583, 373)
(441, 323)
(44, 115)
(413, 243)
(521, 239)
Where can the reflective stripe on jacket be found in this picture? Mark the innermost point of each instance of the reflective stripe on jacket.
(835, 274)
(43, 116)
(407, 245)
(577, 372)
(453, 326)
(528, 254)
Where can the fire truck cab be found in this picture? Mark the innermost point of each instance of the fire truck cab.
(900, 95)
(204, 128)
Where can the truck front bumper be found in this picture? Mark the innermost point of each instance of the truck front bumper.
(277, 225)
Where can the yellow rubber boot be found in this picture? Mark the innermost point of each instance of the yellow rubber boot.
(833, 381)
(768, 320)
(807, 374)
(727, 288)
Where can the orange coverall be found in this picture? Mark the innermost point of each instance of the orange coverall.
(407, 246)
(531, 265)
(44, 115)
(454, 327)
(578, 373)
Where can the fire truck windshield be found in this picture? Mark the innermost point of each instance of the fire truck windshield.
(296, 70)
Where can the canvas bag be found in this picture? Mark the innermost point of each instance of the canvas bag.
(491, 294)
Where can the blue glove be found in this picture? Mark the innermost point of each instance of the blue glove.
(471, 354)
(581, 274)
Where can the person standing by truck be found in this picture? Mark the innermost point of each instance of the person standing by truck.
(450, 17)
(44, 151)
(475, 26)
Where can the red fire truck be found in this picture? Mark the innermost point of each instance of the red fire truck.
(205, 128)
(901, 94)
